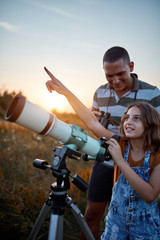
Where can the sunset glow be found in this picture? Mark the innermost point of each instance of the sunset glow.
(70, 39)
(55, 101)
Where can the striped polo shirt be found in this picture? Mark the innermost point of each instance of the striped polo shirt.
(106, 99)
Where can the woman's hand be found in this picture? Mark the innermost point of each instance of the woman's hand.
(115, 151)
(54, 84)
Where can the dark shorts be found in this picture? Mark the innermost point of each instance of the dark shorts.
(100, 183)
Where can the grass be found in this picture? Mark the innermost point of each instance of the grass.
(24, 189)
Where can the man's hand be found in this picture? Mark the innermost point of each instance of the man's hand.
(96, 113)
(54, 84)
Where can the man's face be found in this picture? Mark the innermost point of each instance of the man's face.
(118, 75)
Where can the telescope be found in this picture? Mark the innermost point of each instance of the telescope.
(37, 119)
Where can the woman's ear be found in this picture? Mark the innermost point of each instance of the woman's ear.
(131, 66)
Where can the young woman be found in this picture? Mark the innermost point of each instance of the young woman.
(133, 212)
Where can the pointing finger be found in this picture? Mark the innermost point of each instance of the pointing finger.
(49, 73)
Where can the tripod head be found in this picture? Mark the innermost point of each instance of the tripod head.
(60, 170)
(59, 198)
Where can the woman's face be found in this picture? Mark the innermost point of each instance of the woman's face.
(133, 125)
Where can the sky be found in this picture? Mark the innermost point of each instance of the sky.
(70, 37)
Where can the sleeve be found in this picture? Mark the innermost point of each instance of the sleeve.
(95, 102)
(155, 101)
(154, 161)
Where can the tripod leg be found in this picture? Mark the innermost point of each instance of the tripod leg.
(56, 227)
(80, 220)
(42, 215)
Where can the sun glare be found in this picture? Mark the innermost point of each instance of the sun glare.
(55, 101)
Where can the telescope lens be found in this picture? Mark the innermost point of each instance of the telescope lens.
(15, 108)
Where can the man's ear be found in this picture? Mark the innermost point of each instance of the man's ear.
(131, 66)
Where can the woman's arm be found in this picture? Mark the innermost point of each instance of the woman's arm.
(147, 191)
(81, 110)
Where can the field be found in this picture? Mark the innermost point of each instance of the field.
(24, 188)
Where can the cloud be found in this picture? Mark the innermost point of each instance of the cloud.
(54, 9)
(9, 27)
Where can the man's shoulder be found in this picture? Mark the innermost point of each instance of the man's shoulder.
(104, 86)
(145, 85)
(102, 91)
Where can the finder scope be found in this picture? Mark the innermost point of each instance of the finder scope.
(37, 119)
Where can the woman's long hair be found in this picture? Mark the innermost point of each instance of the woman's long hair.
(151, 121)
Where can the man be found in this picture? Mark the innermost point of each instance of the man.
(122, 88)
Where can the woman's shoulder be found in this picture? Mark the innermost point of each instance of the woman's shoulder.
(123, 144)
(154, 159)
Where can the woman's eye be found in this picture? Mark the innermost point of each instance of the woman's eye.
(137, 118)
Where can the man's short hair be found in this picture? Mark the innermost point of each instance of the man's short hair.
(115, 53)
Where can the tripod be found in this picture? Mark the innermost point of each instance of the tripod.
(59, 198)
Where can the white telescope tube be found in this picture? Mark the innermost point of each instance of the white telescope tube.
(39, 120)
